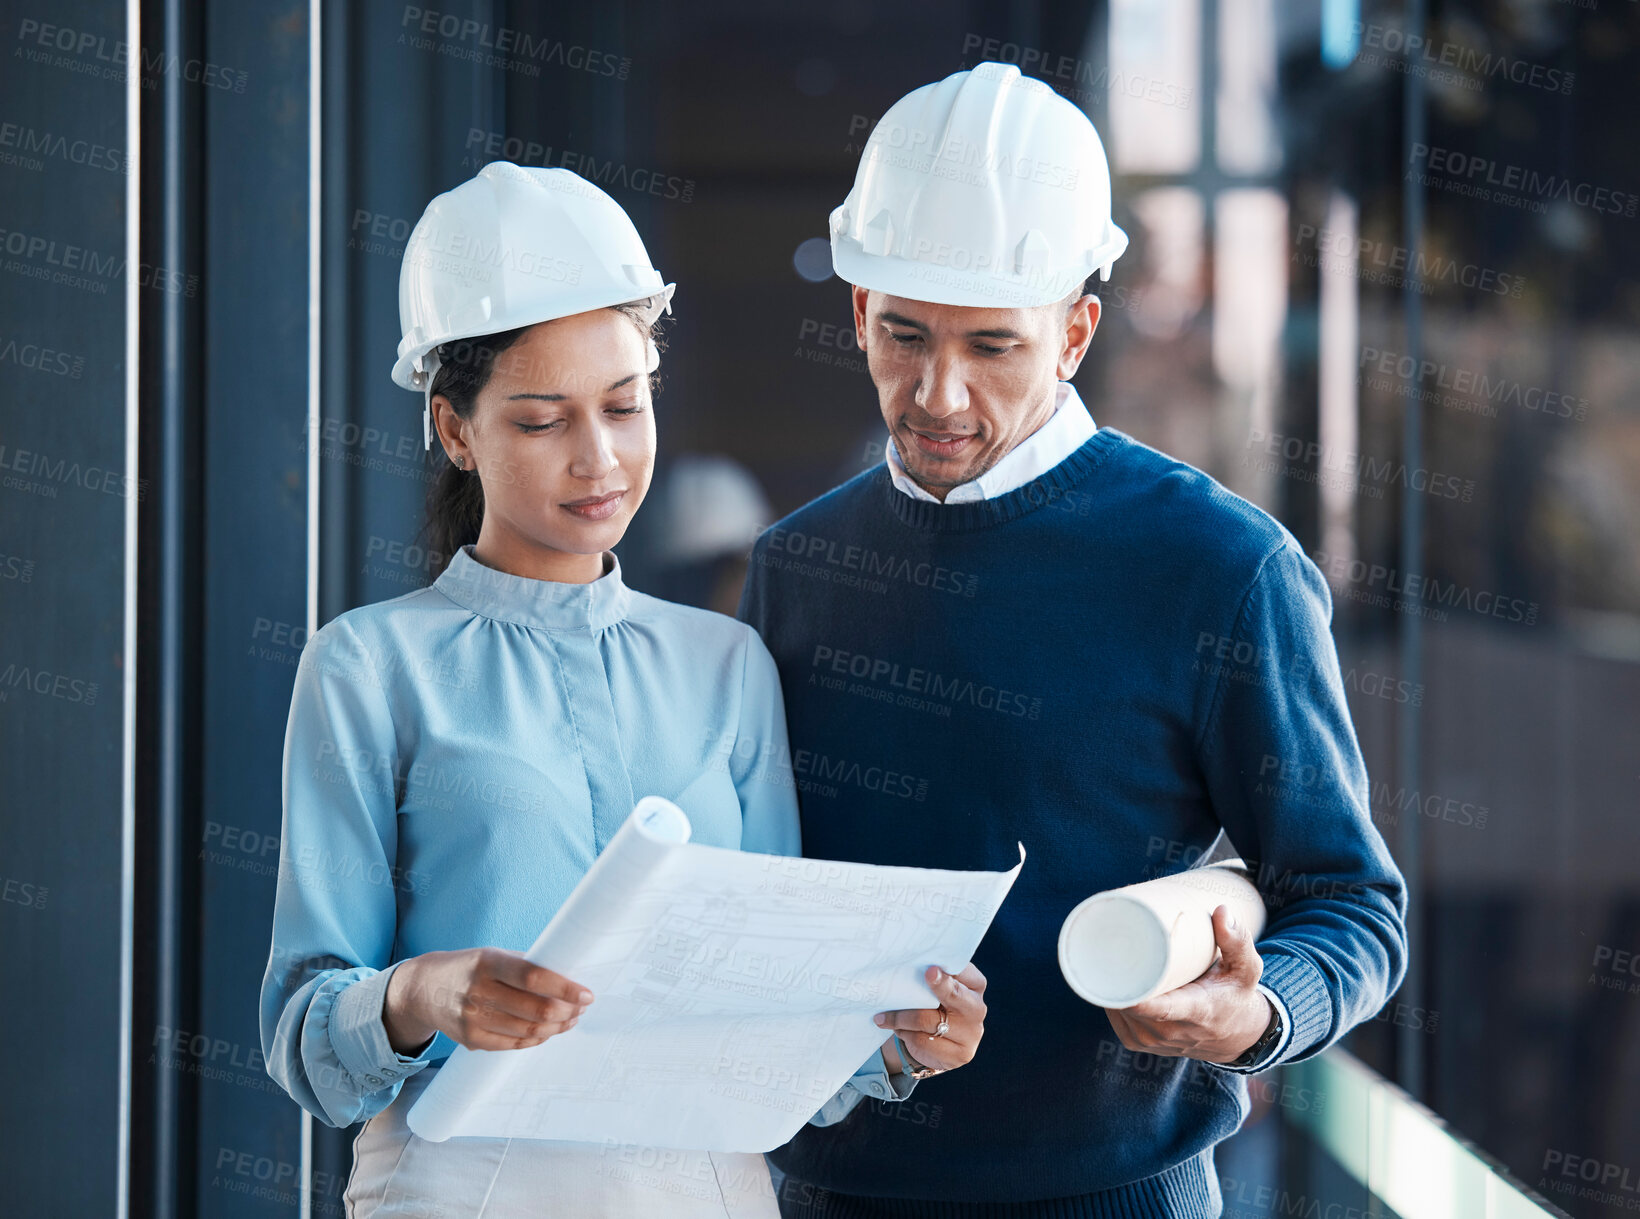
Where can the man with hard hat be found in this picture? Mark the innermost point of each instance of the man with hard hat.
(1070, 640)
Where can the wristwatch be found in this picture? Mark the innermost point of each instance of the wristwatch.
(912, 1067)
(1261, 1047)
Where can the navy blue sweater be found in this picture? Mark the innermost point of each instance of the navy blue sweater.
(1108, 664)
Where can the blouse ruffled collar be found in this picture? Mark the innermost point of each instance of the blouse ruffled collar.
(542, 604)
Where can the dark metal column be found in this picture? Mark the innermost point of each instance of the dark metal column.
(1410, 1041)
(170, 610)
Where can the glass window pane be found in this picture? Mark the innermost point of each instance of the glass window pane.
(1155, 70)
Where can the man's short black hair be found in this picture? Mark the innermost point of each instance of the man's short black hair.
(1086, 286)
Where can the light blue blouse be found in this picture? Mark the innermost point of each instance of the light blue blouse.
(454, 761)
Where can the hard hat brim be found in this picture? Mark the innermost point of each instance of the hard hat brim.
(653, 305)
(944, 285)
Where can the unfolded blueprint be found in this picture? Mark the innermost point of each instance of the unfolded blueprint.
(733, 993)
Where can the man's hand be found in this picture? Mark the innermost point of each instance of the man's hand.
(1216, 1017)
(961, 997)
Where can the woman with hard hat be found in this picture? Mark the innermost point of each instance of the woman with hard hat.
(457, 757)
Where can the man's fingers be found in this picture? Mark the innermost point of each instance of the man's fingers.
(1120, 1026)
(1137, 1035)
(1236, 945)
(1161, 1009)
(1184, 1007)
(1183, 1020)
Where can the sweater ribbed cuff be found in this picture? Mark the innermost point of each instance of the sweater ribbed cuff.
(1309, 1004)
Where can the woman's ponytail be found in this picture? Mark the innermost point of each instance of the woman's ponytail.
(455, 497)
(455, 510)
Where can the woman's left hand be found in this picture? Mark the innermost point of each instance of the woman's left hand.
(962, 1009)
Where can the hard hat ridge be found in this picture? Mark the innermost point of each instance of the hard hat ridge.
(984, 189)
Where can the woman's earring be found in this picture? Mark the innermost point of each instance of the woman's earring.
(461, 462)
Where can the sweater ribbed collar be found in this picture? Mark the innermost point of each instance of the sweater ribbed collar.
(1041, 491)
(542, 604)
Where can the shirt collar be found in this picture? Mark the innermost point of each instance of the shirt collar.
(525, 601)
(1065, 431)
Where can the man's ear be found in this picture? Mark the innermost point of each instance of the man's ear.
(859, 295)
(1080, 322)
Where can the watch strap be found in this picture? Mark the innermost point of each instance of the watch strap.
(1271, 1035)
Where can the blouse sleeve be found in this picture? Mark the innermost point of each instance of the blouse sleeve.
(335, 910)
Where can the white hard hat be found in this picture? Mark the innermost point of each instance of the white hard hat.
(511, 247)
(987, 189)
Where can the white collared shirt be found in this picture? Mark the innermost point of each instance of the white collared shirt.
(1065, 431)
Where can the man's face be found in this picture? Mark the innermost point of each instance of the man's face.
(959, 387)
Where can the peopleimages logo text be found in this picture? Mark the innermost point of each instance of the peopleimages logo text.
(814, 548)
(1473, 171)
(1410, 587)
(516, 43)
(1449, 54)
(1475, 384)
(915, 680)
(1365, 257)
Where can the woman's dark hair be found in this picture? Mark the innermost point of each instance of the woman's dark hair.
(455, 498)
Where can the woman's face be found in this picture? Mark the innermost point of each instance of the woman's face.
(563, 437)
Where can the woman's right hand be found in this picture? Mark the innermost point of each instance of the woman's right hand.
(482, 998)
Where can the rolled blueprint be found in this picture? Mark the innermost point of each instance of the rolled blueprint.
(1127, 945)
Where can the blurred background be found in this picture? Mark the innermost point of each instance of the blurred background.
(1384, 281)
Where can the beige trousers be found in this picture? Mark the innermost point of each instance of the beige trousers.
(397, 1174)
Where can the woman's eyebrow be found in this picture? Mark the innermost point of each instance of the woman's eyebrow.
(627, 380)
